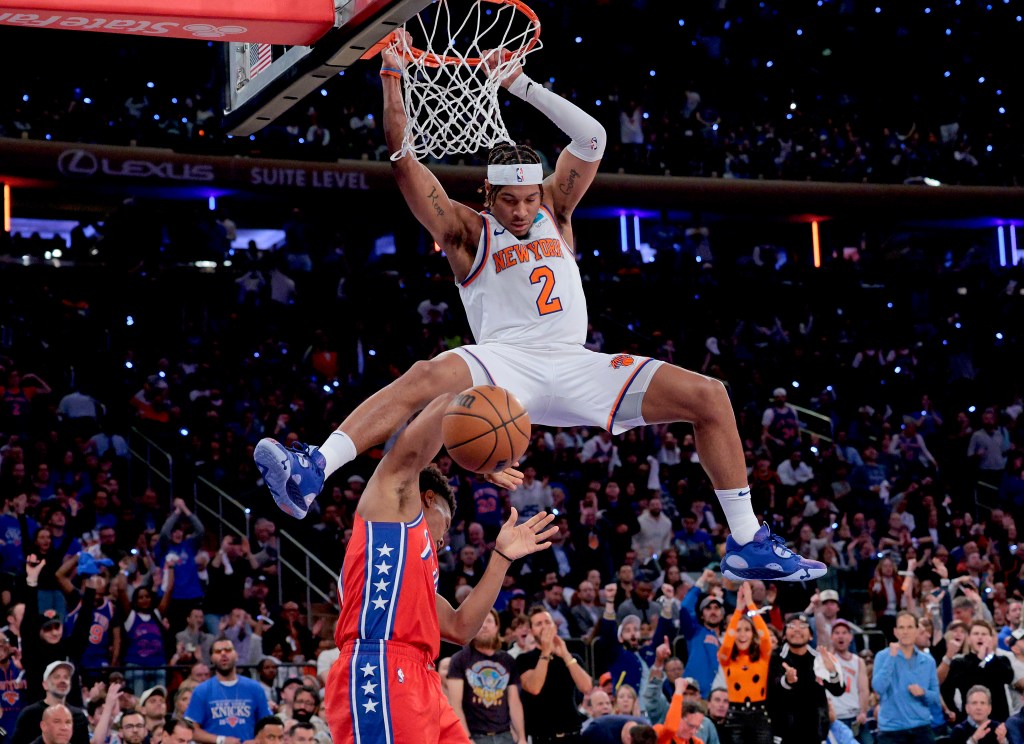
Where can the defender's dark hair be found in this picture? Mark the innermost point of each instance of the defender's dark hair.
(432, 479)
(506, 153)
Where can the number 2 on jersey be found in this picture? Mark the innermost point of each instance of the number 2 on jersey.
(544, 276)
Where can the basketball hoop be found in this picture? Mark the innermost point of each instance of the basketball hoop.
(450, 97)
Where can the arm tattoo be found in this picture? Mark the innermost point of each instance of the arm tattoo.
(567, 187)
(433, 196)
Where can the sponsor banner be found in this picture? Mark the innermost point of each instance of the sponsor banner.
(267, 21)
(89, 164)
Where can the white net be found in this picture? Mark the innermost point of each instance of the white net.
(451, 99)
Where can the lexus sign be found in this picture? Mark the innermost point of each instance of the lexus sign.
(80, 163)
(130, 167)
(77, 163)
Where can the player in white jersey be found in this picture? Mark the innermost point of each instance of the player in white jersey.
(517, 274)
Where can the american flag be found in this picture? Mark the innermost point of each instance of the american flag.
(259, 58)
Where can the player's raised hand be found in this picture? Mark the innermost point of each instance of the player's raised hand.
(501, 62)
(392, 55)
(510, 479)
(515, 541)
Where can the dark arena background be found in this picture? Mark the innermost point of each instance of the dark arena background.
(817, 202)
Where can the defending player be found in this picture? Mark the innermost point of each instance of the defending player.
(517, 275)
(383, 687)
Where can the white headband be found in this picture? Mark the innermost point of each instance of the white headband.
(516, 174)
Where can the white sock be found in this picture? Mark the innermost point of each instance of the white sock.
(738, 513)
(338, 450)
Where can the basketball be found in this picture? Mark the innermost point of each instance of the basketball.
(485, 429)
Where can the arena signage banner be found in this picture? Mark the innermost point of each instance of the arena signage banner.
(266, 21)
(90, 164)
(29, 163)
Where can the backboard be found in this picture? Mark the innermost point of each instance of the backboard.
(263, 80)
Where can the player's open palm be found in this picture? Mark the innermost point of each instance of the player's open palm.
(518, 540)
(510, 479)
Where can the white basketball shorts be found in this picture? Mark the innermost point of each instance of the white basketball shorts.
(566, 384)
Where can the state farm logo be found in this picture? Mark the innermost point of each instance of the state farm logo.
(206, 31)
(84, 164)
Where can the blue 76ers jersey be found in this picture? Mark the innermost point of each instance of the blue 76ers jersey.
(525, 292)
(388, 583)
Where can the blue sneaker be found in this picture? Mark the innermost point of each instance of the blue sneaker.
(294, 476)
(766, 557)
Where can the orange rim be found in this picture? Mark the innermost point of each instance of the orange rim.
(430, 59)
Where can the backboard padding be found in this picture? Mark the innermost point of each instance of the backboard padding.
(296, 72)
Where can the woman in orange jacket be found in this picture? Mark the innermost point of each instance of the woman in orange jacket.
(744, 655)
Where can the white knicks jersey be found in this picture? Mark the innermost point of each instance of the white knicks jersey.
(847, 705)
(526, 291)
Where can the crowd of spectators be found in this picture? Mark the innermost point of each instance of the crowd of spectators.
(902, 470)
(715, 89)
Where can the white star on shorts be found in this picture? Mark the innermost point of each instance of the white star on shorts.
(369, 688)
(368, 670)
(370, 706)
(379, 602)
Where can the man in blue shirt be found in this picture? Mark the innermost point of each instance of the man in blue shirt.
(226, 707)
(907, 684)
